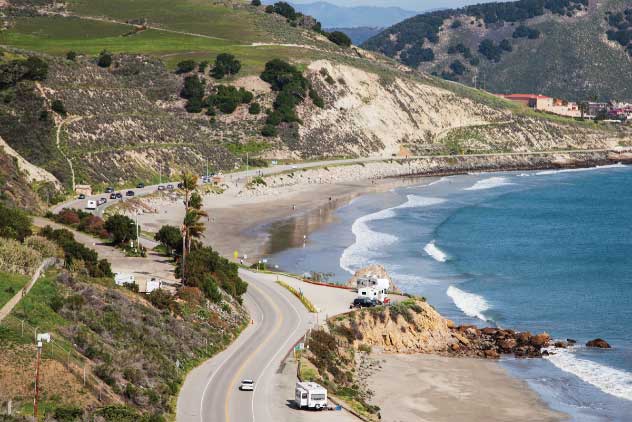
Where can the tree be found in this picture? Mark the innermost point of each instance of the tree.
(340, 38)
(583, 108)
(225, 64)
(58, 107)
(256, 3)
(185, 66)
(505, 45)
(284, 9)
(71, 55)
(14, 223)
(105, 59)
(193, 88)
(269, 131)
(121, 228)
(457, 67)
(170, 237)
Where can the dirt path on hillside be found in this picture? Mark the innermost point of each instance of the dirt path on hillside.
(8, 307)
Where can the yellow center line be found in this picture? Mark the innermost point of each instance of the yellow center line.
(233, 382)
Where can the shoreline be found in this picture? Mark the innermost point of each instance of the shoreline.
(247, 225)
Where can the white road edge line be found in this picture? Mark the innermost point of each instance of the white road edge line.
(222, 365)
(290, 338)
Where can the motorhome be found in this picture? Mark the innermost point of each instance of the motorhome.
(373, 281)
(91, 205)
(373, 293)
(310, 395)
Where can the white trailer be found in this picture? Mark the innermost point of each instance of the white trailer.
(310, 395)
(122, 279)
(91, 205)
(373, 293)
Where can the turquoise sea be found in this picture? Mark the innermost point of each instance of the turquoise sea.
(539, 251)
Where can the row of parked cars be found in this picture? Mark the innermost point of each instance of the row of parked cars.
(93, 204)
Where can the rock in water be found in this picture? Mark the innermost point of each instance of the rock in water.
(599, 343)
(540, 340)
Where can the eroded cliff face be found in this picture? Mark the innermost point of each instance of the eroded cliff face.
(378, 115)
(371, 114)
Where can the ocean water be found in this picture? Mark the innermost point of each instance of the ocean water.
(539, 251)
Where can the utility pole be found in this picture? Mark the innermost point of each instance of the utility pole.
(37, 384)
(160, 173)
(137, 232)
(207, 168)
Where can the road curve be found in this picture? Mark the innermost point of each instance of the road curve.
(211, 392)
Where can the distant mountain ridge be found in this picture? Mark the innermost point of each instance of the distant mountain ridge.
(573, 49)
(332, 16)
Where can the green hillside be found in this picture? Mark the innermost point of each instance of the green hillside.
(560, 50)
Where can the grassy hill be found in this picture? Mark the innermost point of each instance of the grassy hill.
(567, 55)
(129, 120)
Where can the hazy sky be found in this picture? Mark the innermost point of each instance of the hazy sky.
(405, 4)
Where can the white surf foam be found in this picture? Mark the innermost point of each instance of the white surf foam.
(549, 172)
(436, 253)
(609, 380)
(471, 304)
(490, 183)
(369, 242)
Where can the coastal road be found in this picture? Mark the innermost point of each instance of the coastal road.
(242, 175)
(211, 392)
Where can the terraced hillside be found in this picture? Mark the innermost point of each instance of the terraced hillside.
(557, 48)
(130, 93)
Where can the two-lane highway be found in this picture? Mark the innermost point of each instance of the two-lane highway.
(211, 392)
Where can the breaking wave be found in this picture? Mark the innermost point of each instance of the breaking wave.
(436, 253)
(490, 183)
(471, 304)
(609, 380)
(548, 172)
(368, 243)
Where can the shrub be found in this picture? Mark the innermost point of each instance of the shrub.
(71, 55)
(416, 55)
(339, 38)
(490, 50)
(256, 3)
(121, 228)
(44, 246)
(171, 238)
(318, 101)
(68, 414)
(58, 107)
(194, 105)
(37, 69)
(456, 24)
(457, 67)
(118, 413)
(105, 59)
(160, 299)
(225, 64)
(204, 262)
(505, 45)
(202, 66)
(525, 32)
(14, 223)
(269, 131)
(210, 289)
(185, 66)
(254, 108)
(228, 98)
(284, 9)
(193, 88)
(18, 258)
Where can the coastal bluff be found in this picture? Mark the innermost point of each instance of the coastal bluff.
(414, 326)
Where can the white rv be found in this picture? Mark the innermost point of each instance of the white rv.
(310, 395)
(373, 293)
(373, 281)
(91, 205)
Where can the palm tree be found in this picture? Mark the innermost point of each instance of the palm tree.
(191, 221)
(193, 226)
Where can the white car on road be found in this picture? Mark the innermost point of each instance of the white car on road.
(247, 385)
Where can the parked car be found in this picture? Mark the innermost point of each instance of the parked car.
(119, 195)
(170, 186)
(161, 187)
(82, 196)
(180, 185)
(112, 196)
(140, 185)
(110, 189)
(129, 193)
(363, 302)
(247, 385)
(101, 201)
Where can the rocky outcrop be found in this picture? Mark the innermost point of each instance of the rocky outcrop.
(414, 326)
(598, 343)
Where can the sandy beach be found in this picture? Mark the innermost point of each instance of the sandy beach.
(435, 388)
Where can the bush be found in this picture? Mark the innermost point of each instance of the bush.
(203, 263)
(225, 64)
(414, 56)
(105, 59)
(525, 32)
(210, 289)
(193, 88)
(228, 98)
(254, 108)
(202, 66)
(45, 247)
(457, 67)
(490, 50)
(171, 238)
(185, 66)
(14, 223)
(194, 105)
(58, 107)
(160, 299)
(68, 414)
(284, 9)
(71, 55)
(317, 100)
(339, 38)
(269, 131)
(37, 69)
(121, 228)
(256, 3)
(18, 258)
